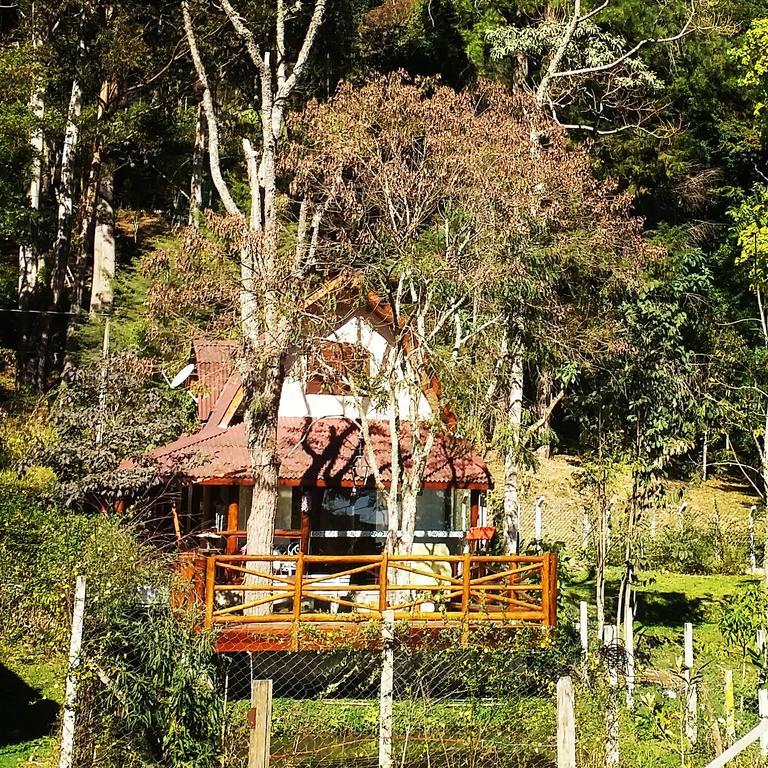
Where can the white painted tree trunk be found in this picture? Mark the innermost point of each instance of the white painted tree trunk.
(66, 189)
(103, 245)
(511, 520)
(198, 158)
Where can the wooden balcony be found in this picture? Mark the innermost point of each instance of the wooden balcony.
(267, 602)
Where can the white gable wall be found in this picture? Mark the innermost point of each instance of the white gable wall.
(295, 402)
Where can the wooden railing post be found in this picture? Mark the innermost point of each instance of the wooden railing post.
(383, 582)
(210, 580)
(298, 588)
(549, 589)
(466, 578)
(233, 511)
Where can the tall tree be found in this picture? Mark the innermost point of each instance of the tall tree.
(483, 249)
(272, 279)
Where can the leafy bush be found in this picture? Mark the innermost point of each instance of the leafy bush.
(697, 549)
(99, 421)
(43, 548)
(153, 693)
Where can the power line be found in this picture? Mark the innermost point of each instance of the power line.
(43, 312)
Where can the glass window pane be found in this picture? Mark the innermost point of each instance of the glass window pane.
(350, 510)
(433, 510)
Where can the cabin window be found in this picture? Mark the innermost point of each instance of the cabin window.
(287, 517)
(334, 365)
(351, 510)
(433, 511)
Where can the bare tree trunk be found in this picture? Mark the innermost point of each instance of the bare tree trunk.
(602, 545)
(408, 525)
(421, 443)
(511, 522)
(103, 245)
(262, 374)
(198, 157)
(29, 258)
(66, 191)
(544, 394)
(266, 287)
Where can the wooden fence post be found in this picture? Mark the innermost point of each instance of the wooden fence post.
(691, 692)
(70, 695)
(762, 703)
(730, 709)
(566, 724)
(387, 689)
(612, 705)
(260, 721)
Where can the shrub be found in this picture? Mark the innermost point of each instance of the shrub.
(43, 547)
(153, 692)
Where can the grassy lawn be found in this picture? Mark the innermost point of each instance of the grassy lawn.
(31, 692)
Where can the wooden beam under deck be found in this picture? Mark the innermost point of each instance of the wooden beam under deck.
(329, 636)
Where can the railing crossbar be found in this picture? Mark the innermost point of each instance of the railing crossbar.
(517, 590)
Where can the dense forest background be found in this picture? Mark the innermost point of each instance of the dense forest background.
(103, 146)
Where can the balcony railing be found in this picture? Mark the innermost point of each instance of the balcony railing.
(276, 594)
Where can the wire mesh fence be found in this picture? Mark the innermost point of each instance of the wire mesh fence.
(151, 690)
(451, 707)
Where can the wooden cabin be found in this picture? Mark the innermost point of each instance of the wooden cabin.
(328, 564)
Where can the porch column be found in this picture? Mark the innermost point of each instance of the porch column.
(233, 511)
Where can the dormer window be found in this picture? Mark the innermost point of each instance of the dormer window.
(333, 365)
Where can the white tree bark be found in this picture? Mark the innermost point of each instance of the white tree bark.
(29, 258)
(198, 156)
(103, 245)
(66, 189)
(266, 316)
(511, 518)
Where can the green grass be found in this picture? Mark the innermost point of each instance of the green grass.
(35, 691)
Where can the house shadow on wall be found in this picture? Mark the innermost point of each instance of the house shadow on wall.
(24, 713)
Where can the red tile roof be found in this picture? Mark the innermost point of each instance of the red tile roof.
(318, 452)
(214, 362)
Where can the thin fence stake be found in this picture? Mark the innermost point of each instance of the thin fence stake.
(537, 523)
(612, 707)
(629, 648)
(730, 708)
(566, 724)
(260, 721)
(386, 691)
(584, 627)
(691, 692)
(70, 696)
(762, 703)
(752, 556)
(224, 722)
